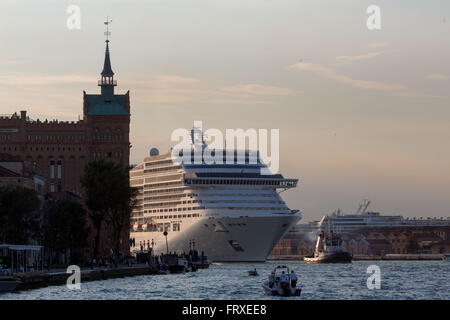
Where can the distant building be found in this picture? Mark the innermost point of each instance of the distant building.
(441, 247)
(342, 223)
(394, 240)
(370, 241)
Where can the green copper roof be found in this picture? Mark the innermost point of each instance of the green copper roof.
(107, 109)
(100, 105)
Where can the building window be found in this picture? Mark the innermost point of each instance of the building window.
(52, 169)
(52, 187)
(118, 135)
(59, 169)
(107, 135)
(96, 135)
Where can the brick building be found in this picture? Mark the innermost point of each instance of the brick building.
(61, 149)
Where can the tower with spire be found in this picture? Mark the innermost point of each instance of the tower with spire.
(59, 150)
(107, 82)
(107, 114)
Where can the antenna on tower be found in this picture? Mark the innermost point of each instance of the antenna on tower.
(107, 33)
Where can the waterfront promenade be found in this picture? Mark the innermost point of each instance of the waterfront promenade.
(34, 280)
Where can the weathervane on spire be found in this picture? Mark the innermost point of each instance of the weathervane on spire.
(107, 33)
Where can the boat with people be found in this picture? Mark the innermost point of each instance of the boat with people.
(329, 249)
(253, 273)
(282, 282)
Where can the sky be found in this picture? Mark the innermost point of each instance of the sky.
(362, 114)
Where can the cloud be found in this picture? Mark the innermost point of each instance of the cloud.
(369, 55)
(334, 75)
(9, 62)
(436, 76)
(39, 80)
(164, 89)
(396, 88)
(178, 89)
(416, 94)
(258, 89)
(376, 45)
(171, 79)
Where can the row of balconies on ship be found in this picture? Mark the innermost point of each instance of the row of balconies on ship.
(239, 180)
(276, 180)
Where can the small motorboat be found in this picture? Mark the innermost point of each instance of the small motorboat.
(446, 257)
(280, 288)
(8, 284)
(253, 273)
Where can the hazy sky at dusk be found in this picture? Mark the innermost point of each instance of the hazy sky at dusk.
(362, 114)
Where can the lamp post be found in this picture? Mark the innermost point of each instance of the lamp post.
(167, 244)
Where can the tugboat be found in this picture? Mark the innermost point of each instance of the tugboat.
(329, 249)
(280, 284)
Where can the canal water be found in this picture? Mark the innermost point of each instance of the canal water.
(399, 280)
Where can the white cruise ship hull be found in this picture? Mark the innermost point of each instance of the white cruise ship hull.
(224, 239)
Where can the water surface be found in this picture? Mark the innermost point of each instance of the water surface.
(399, 280)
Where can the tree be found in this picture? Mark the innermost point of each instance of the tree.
(123, 200)
(19, 214)
(95, 181)
(64, 228)
(109, 198)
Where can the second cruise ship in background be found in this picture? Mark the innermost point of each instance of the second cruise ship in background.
(232, 212)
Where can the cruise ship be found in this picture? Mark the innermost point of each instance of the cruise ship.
(363, 218)
(231, 212)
